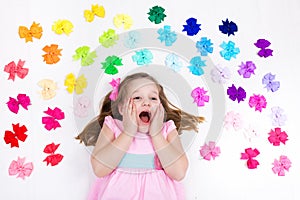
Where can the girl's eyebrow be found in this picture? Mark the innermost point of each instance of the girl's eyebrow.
(152, 91)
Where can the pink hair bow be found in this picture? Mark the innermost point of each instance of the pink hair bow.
(210, 151)
(51, 121)
(277, 136)
(233, 120)
(14, 70)
(281, 165)
(115, 85)
(81, 106)
(258, 102)
(249, 155)
(200, 97)
(17, 167)
(22, 99)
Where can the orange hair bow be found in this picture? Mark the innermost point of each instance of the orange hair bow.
(34, 31)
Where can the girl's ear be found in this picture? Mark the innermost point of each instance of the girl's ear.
(120, 109)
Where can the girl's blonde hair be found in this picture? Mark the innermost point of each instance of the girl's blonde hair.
(182, 119)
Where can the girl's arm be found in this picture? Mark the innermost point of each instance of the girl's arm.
(109, 151)
(171, 154)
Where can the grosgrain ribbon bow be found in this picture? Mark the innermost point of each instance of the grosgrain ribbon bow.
(97, 10)
(51, 121)
(35, 31)
(14, 70)
(17, 167)
(115, 85)
(22, 99)
(13, 138)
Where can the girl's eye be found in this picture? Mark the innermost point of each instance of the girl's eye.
(136, 98)
(154, 98)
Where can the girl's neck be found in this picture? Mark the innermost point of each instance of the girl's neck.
(143, 129)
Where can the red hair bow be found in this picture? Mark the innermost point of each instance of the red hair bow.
(13, 138)
(53, 158)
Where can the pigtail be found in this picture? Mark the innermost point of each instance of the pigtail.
(91, 131)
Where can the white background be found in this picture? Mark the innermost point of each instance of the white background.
(226, 177)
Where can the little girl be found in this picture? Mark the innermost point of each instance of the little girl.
(138, 154)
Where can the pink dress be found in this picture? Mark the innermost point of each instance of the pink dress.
(139, 175)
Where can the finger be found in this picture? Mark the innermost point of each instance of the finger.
(162, 109)
(126, 106)
(154, 112)
(160, 112)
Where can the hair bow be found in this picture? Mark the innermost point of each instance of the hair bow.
(115, 85)
(97, 10)
(49, 88)
(20, 168)
(81, 107)
(52, 54)
(53, 158)
(14, 70)
(34, 31)
(110, 64)
(13, 138)
(281, 165)
(210, 150)
(123, 19)
(83, 53)
(249, 155)
(75, 84)
(62, 26)
(51, 121)
(199, 96)
(22, 99)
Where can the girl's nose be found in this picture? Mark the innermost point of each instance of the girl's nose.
(146, 103)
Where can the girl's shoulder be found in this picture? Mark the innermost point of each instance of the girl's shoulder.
(114, 124)
(168, 127)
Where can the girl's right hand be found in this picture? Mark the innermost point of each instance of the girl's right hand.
(129, 118)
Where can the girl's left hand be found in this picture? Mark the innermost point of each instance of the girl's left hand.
(157, 120)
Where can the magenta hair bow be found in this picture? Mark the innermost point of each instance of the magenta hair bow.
(18, 167)
(249, 155)
(14, 70)
(257, 101)
(209, 150)
(51, 121)
(281, 165)
(115, 85)
(22, 99)
(199, 95)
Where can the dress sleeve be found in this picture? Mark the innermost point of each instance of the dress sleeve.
(111, 123)
(168, 127)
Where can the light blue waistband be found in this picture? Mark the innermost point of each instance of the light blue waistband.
(145, 161)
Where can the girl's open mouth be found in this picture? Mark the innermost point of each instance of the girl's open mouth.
(145, 116)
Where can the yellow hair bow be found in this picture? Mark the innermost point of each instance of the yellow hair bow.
(75, 84)
(123, 19)
(96, 10)
(62, 26)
